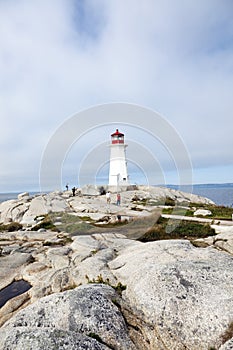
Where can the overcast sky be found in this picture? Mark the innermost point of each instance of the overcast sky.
(59, 57)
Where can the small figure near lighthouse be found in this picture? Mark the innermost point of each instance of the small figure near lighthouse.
(118, 175)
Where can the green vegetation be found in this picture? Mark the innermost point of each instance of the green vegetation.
(70, 223)
(119, 288)
(75, 225)
(46, 223)
(178, 211)
(218, 212)
(147, 201)
(185, 229)
(11, 227)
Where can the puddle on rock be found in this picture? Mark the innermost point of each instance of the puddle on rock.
(14, 289)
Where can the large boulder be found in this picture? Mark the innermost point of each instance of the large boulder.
(90, 190)
(24, 195)
(202, 212)
(25, 209)
(44, 204)
(84, 318)
(177, 296)
(13, 210)
(223, 240)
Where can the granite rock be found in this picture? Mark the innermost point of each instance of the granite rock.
(182, 295)
(85, 313)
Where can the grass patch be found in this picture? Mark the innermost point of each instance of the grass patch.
(218, 212)
(178, 211)
(74, 225)
(186, 229)
(71, 224)
(86, 218)
(47, 224)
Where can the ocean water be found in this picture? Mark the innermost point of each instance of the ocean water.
(12, 195)
(7, 196)
(221, 194)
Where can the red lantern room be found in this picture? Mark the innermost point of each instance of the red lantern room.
(117, 137)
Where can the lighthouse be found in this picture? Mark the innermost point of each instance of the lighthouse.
(118, 175)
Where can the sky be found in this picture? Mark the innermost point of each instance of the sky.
(61, 57)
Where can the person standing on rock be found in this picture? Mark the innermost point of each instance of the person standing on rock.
(118, 199)
(67, 187)
(73, 191)
(108, 198)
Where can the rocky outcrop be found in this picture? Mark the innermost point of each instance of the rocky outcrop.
(223, 240)
(106, 291)
(90, 190)
(88, 202)
(180, 294)
(26, 209)
(84, 318)
(172, 295)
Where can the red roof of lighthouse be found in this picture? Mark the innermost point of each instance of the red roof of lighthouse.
(117, 133)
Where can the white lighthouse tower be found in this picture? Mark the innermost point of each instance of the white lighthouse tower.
(118, 175)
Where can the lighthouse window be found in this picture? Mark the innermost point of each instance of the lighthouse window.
(124, 179)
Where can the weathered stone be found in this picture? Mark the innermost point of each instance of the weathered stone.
(44, 204)
(34, 268)
(223, 240)
(7, 310)
(87, 311)
(28, 210)
(181, 294)
(163, 280)
(90, 190)
(24, 195)
(59, 257)
(50, 339)
(202, 212)
(42, 230)
(12, 210)
(11, 266)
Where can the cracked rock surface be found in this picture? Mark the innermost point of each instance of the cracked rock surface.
(177, 296)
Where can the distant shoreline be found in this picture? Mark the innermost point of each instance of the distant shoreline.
(221, 194)
(13, 195)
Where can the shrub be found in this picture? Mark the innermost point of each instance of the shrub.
(13, 226)
(47, 224)
(170, 201)
(118, 288)
(185, 229)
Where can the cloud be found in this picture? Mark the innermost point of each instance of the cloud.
(59, 57)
